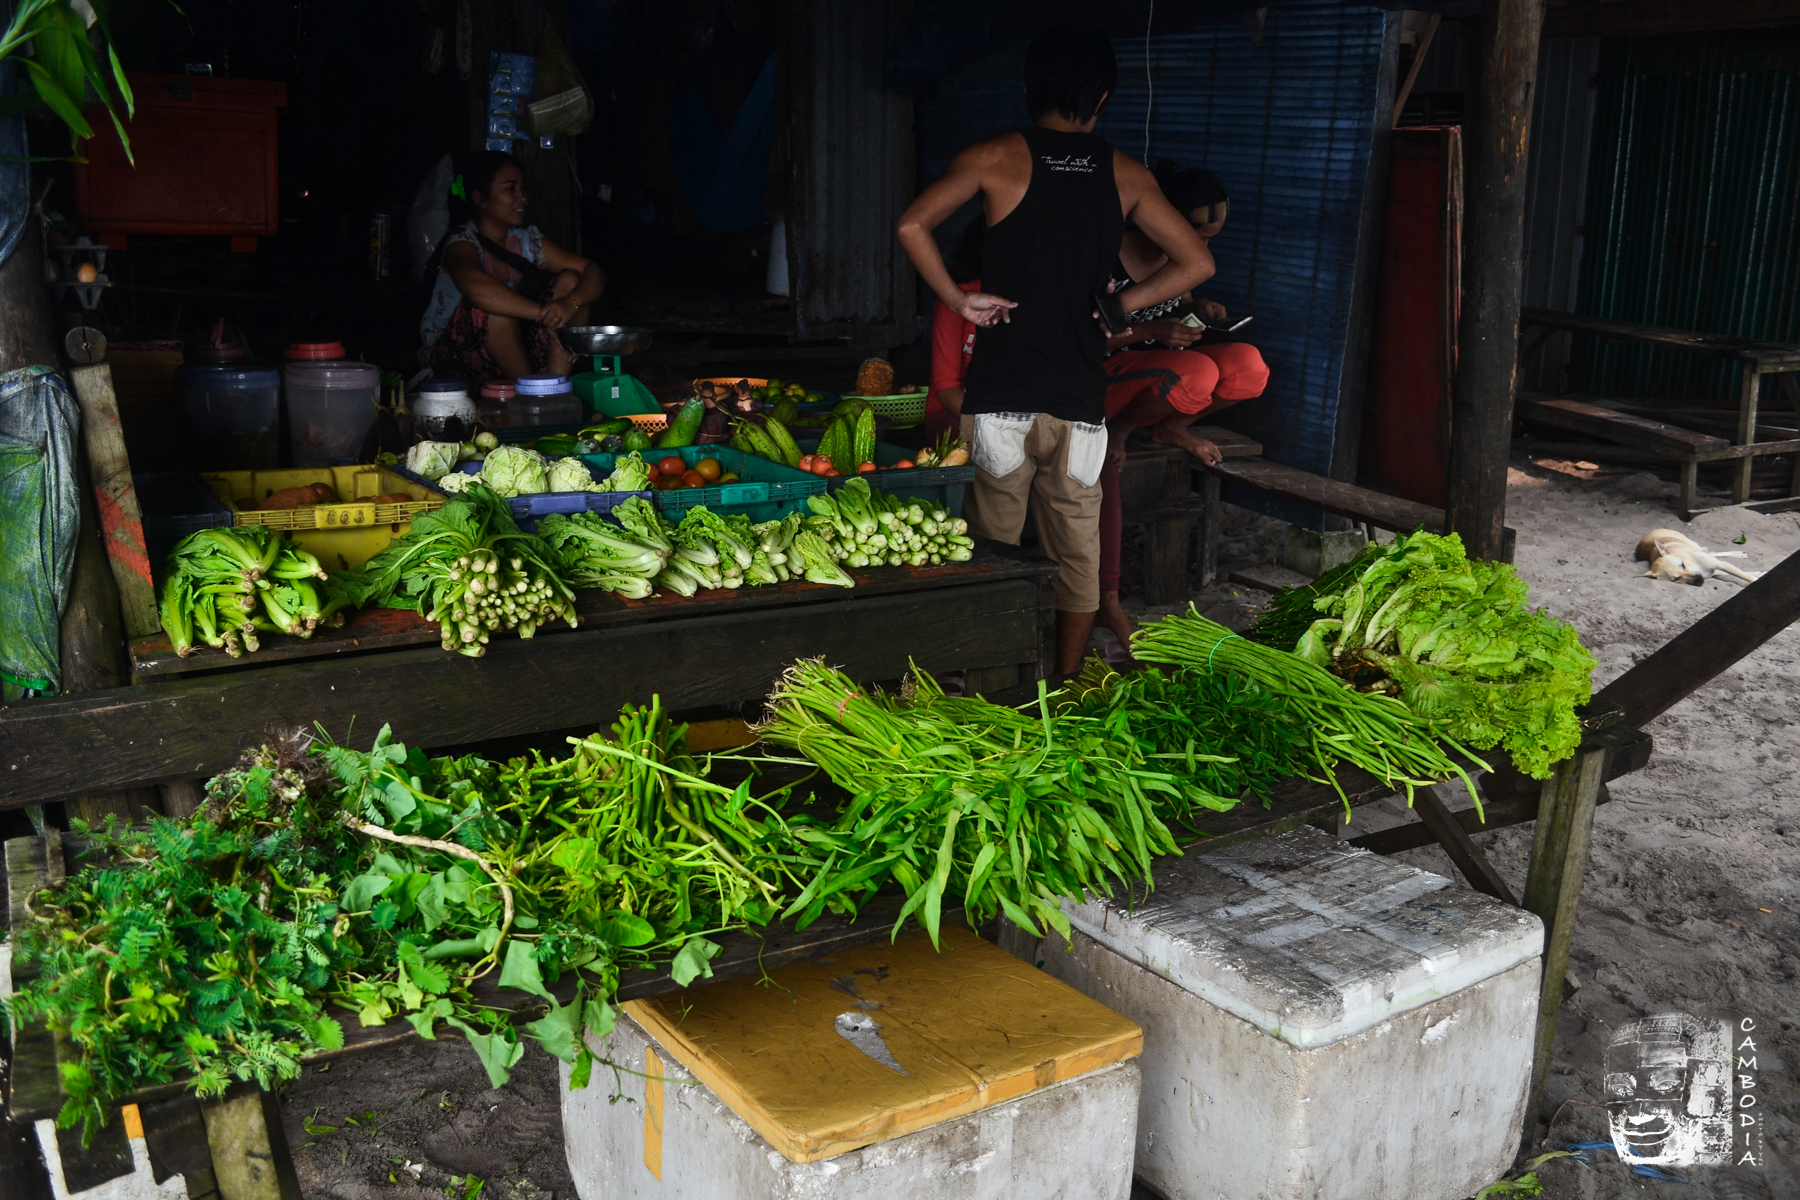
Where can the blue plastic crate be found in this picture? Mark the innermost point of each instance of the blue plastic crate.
(175, 504)
(527, 509)
(942, 486)
(766, 491)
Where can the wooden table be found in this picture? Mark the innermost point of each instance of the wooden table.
(1759, 359)
(1180, 522)
(245, 1128)
(191, 718)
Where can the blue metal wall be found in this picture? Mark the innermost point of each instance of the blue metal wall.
(1288, 126)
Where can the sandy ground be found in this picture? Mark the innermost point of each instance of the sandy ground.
(1689, 904)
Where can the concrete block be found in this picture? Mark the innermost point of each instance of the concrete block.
(1069, 1141)
(1319, 1022)
(1312, 554)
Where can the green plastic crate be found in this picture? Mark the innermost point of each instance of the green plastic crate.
(767, 491)
(942, 486)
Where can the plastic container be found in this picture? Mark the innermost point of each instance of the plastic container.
(314, 351)
(175, 504)
(331, 408)
(343, 535)
(527, 509)
(767, 491)
(904, 411)
(942, 486)
(495, 403)
(234, 413)
(443, 412)
(543, 400)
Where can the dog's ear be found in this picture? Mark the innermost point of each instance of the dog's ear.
(1663, 548)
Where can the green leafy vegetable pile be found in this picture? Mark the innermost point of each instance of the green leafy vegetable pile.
(468, 567)
(1454, 639)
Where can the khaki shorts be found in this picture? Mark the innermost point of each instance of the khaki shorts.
(1052, 465)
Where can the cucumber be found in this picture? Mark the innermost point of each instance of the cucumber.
(863, 448)
(684, 428)
(605, 429)
(784, 441)
(833, 443)
(760, 443)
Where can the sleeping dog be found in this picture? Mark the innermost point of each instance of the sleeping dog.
(1679, 559)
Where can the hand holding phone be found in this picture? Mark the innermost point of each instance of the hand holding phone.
(1112, 312)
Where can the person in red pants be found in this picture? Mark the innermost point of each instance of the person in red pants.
(1161, 374)
(953, 336)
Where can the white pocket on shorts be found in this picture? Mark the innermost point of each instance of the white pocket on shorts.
(999, 442)
(1087, 452)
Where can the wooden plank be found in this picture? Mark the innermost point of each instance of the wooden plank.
(1344, 499)
(1750, 394)
(121, 519)
(1627, 18)
(391, 628)
(249, 1148)
(1620, 427)
(1777, 355)
(153, 733)
(1230, 442)
(1450, 834)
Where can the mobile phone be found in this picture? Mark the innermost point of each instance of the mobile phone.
(1229, 326)
(1112, 311)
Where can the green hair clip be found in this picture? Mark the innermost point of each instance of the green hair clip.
(457, 190)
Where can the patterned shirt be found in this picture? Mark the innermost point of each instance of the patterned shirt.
(527, 243)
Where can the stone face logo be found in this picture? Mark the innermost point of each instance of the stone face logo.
(1669, 1091)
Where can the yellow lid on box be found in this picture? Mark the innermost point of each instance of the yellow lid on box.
(872, 1043)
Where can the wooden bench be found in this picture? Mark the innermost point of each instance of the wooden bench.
(1377, 509)
(1180, 522)
(1759, 358)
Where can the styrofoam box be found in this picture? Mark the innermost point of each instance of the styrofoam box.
(1319, 1022)
(705, 1151)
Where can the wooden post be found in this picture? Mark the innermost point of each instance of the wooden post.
(1503, 69)
(121, 520)
(249, 1148)
(1751, 393)
(1559, 853)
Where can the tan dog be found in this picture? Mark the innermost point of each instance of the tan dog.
(1679, 559)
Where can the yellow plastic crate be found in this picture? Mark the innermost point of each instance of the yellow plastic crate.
(343, 535)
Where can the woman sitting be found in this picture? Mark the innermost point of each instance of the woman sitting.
(1161, 375)
(503, 287)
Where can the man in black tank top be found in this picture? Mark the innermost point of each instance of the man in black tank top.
(1055, 199)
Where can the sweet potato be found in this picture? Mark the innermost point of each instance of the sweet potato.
(289, 498)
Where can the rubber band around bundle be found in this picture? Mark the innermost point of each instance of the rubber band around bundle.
(844, 701)
(1216, 645)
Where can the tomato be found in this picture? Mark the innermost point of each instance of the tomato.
(806, 461)
(652, 472)
(901, 465)
(709, 469)
(729, 477)
(668, 483)
(833, 474)
(692, 479)
(865, 468)
(672, 465)
(820, 465)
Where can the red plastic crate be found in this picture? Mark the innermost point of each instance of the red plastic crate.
(206, 154)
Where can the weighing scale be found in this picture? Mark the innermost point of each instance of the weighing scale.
(607, 390)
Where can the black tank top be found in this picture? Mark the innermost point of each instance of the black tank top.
(1050, 254)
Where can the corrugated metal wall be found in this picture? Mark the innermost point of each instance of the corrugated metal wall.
(1561, 124)
(850, 167)
(1289, 127)
(1692, 217)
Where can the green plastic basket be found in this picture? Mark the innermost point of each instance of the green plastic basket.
(937, 485)
(766, 491)
(904, 411)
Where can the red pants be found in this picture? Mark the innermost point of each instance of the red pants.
(1191, 381)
